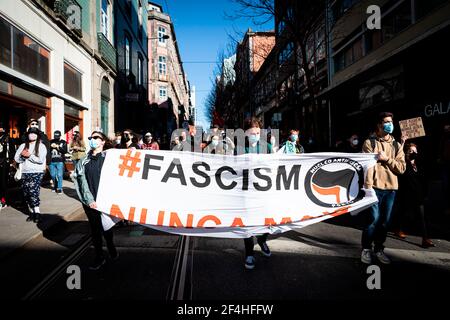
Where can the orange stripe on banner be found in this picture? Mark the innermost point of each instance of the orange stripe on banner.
(203, 220)
(115, 211)
(237, 222)
(333, 191)
(160, 218)
(271, 221)
(175, 220)
(190, 220)
(131, 214)
(143, 218)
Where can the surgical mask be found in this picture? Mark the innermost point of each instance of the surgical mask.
(93, 143)
(117, 141)
(254, 138)
(294, 137)
(355, 142)
(388, 127)
(32, 136)
(215, 143)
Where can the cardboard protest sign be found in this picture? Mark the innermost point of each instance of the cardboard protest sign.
(412, 128)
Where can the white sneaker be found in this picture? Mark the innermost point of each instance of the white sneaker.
(250, 262)
(366, 256)
(382, 257)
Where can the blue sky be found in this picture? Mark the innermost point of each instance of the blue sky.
(202, 31)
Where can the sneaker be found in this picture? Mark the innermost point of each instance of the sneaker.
(400, 234)
(250, 263)
(382, 257)
(59, 192)
(265, 249)
(98, 263)
(427, 243)
(366, 256)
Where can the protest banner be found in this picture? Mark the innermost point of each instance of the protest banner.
(231, 196)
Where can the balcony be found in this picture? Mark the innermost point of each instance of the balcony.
(108, 52)
(69, 13)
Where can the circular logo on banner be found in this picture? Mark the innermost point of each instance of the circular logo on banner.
(335, 182)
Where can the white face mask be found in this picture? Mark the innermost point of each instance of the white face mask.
(355, 142)
(32, 136)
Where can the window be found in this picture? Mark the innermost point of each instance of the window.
(349, 55)
(127, 56)
(104, 105)
(162, 65)
(286, 53)
(161, 34)
(106, 19)
(29, 57)
(140, 70)
(72, 81)
(140, 14)
(5, 43)
(162, 92)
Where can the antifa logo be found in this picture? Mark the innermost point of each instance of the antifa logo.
(335, 182)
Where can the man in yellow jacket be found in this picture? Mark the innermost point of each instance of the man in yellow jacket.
(383, 179)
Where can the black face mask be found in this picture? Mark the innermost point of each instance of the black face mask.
(126, 138)
(2, 133)
(412, 156)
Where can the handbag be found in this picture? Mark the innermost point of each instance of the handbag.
(18, 174)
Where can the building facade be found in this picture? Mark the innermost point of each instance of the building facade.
(169, 92)
(130, 39)
(54, 67)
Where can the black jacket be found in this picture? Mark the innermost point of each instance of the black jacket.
(92, 170)
(58, 153)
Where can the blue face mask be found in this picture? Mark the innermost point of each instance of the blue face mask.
(93, 144)
(294, 137)
(388, 127)
(253, 138)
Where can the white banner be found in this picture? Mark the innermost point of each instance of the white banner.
(231, 196)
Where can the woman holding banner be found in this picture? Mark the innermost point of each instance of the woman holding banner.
(254, 146)
(87, 180)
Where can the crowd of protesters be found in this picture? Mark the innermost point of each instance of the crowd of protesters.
(398, 178)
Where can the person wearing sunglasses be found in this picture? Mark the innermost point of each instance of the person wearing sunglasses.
(129, 140)
(87, 179)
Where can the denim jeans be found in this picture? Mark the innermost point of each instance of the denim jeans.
(380, 216)
(57, 174)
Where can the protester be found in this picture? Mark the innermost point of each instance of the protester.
(219, 144)
(33, 123)
(31, 157)
(412, 193)
(176, 144)
(7, 151)
(77, 148)
(292, 145)
(254, 146)
(117, 139)
(87, 178)
(129, 140)
(352, 145)
(383, 179)
(149, 143)
(58, 149)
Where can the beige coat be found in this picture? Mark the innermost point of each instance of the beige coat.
(384, 174)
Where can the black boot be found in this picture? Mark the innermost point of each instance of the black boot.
(37, 217)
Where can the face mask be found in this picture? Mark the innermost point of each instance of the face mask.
(412, 155)
(147, 139)
(2, 133)
(117, 141)
(294, 137)
(388, 127)
(254, 138)
(32, 136)
(215, 143)
(126, 138)
(355, 142)
(93, 143)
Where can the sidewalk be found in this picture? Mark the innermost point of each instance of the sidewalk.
(15, 231)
